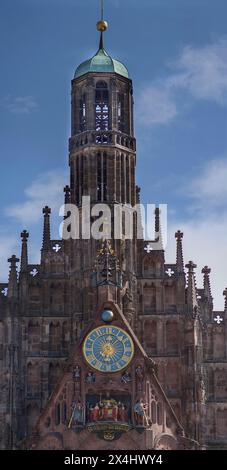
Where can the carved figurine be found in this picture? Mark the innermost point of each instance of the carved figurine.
(126, 377)
(76, 373)
(77, 414)
(140, 412)
(90, 378)
(139, 372)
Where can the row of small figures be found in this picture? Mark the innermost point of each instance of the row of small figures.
(109, 410)
(91, 377)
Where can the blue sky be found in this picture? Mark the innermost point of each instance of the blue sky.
(176, 52)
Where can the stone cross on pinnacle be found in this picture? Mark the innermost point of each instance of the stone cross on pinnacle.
(46, 210)
(24, 235)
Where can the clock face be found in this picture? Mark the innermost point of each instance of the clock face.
(108, 349)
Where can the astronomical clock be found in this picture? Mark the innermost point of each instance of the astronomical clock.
(108, 349)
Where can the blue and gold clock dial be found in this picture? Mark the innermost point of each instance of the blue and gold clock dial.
(108, 348)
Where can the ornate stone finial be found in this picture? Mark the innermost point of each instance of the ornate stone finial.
(46, 210)
(107, 271)
(106, 249)
(179, 255)
(24, 235)
(13, 261)
(191, 266)
(225, 295)
(46, 228)
(179, 235)
(12, 286)
(206, 283)
(206, 270)
(67, 192)
(191, 289)
(24, 250)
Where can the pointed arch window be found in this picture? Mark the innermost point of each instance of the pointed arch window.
(79, 190)
(99, 177)
(121, 112)
(128, 186)
(123, 180)
(102, 176)
(101, 107)
(82, 113)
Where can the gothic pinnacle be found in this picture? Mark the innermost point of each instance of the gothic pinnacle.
(12, 286)
(46, 228)
(67, 192)
(24, 250)
(179, 256)
(206, 283)
(191, 289)
(158, 229)
(225, 295)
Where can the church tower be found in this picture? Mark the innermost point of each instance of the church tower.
(102, 157)
(104, 345)
(102, 144)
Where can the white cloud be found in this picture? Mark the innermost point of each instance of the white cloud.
(205, 231)
(211, 186)
(156, 106)
(204, 242)
(199, 72)
(19, 104)
(47, 189)
(11, 245)
(8, 247)
(204, 71)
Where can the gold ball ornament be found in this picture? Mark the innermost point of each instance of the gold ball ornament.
(102, 26)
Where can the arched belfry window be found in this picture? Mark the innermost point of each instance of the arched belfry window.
(82, 118)
(101, 107)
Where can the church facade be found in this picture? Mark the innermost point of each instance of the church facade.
(103, 345)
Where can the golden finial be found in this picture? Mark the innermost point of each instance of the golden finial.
(102, 25)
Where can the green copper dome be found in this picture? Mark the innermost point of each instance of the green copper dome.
(101, 62)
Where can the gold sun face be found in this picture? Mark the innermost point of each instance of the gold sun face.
(108, 348)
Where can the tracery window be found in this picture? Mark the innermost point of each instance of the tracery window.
(101, 107)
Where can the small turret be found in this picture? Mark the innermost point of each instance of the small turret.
(13, 286)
